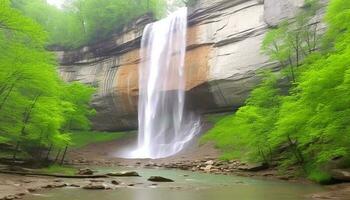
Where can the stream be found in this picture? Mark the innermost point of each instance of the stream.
(187, 186)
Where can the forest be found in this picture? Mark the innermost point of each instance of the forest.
(83, 22)
(176, 106)
(301, 115)
(39, 111)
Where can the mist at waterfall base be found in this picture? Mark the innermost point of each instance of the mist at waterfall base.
(165, 127)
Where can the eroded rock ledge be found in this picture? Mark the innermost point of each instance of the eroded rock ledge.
(224, 38)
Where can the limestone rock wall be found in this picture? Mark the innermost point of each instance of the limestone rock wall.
(223, 57)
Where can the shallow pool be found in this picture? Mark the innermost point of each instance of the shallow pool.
(187, 186)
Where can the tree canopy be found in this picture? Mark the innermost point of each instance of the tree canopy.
(82, 22)
(35, 105)
(309, 125)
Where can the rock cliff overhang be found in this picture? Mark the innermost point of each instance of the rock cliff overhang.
(222, 60)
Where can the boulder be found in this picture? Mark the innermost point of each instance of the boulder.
(11, 197)
(208, 168)
(74, 185)
(159, 179)
(124, 174)
(97, 181)
(341, 174)
(254, 167)
(85, 171)
(32, 189)
(209, 162)
(94, 186)
(115, 182)
(55, 185)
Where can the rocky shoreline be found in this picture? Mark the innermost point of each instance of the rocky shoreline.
(206, 165)
(201, 159)
(17, 186)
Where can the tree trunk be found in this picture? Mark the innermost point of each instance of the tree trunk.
(292, 69)
(26, 118)
(15, 153)
(27, 115)
(64, 154)
(48, 153)
(57, 155)
(315, 37)
(7, 96)
(297, 48)
(296, 151)
(5, 87)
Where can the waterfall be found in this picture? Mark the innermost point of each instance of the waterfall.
(165, 127)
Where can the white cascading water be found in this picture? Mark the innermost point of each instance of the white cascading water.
(164, 125)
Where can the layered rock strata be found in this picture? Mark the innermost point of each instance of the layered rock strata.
(222, 61)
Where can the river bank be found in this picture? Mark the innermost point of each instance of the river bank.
(40, 187)
(194, 161)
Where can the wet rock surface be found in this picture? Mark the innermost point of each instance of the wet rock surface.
(254, 167)
(36, 184)
(124, 174)
(341, 174)
(95, 186)
(159, 179)
(205, 165)
(115, 182)
(55, 185)
(85, 171)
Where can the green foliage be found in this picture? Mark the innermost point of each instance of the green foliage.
(214, 118)
(317, 114)
(309, 126)
(319, 176)
(79, 112)
(80, 22)
(292, 41)
(83, 138)
(57, 169)
(338, 21)
(246, 132)
(35, 105)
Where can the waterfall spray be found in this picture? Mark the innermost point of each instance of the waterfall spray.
(164, 125)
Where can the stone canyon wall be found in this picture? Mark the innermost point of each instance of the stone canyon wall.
(222, 61)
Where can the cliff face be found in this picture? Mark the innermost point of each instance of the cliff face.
(223, 57)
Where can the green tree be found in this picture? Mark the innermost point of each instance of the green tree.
(247, 132)
(309, 125)
(293, 40)
(32, 108)
(82, 22)
(78, 114)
